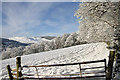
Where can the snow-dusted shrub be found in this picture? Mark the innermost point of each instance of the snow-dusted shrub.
(33, 48)
(17, 51)
(52, 45)
(63, 39)
(71, 40)
(47, 46)
(12, 52)
(38, 47)
(57, 43)
(41, 47)
(6, 54)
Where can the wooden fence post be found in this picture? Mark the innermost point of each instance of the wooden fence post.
(105, 65)
(110, 65)
(80, 70)
(9, 72)
(18, 65)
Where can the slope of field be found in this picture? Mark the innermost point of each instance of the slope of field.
(86, 52)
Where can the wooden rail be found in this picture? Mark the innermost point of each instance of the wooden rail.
(62, 76)
(65, 77)
(87, 62)
(106, 72)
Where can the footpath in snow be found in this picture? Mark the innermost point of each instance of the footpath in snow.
(80, 53)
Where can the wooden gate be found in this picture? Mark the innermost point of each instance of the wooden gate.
(106, 71)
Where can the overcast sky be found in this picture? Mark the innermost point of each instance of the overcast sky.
(28, 19)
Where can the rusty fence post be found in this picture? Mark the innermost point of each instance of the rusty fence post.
(110, 65)
(9, 72)
(18, 65)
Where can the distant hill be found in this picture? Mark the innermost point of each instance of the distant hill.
(48, 37)
(32, 39)
(10, 43)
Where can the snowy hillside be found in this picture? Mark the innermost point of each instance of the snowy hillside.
(6, 43)
(86, 52)
(28, 40)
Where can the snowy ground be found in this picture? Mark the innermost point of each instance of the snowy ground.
(86, 52)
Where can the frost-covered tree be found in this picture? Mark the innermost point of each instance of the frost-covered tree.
(63, 39)
(41, 47)
(71, 40)
(17, 51)
(47, 46)
(52, 45)
(33, 48)
(12, 52)
(100, 21)
(57, 43)
(6, 54)
(97, 21)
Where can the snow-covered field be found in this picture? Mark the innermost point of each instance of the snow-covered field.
(86, 52)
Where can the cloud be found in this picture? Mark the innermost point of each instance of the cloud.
(51, 23)
(38, 18)
(52, 34)
(63, 28)
(21, 16)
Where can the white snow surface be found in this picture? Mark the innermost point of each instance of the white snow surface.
(29, 40)
(79, 53)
